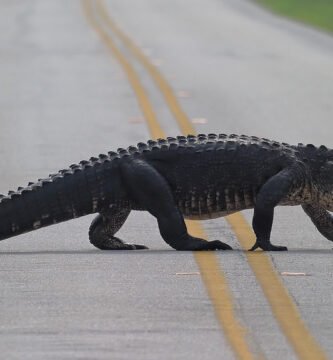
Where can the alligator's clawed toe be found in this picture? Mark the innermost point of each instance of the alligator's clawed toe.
(268, 247)
(254, 247)
(277, 248)
(219, 245)
(215, 245)
(139, 247)
(113, 243)
(197, 244)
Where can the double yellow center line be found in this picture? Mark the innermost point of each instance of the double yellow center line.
(280, 301)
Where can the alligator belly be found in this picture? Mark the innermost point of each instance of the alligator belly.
(209, 215)
(213, 204)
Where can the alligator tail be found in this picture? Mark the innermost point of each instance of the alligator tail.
(80, 190)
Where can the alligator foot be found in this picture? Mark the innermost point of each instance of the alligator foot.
(197, 244)
(214, 245)
(268, 247)
(114, 243)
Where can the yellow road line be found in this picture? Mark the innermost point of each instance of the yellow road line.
(220, 295)
(166, 90)
(143, 100)
(212, 275)
(283, 307)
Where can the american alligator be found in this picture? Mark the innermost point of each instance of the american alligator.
(196, 177)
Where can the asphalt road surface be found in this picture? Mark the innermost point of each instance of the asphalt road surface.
(66, 95)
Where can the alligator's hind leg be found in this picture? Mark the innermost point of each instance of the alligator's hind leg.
(105, 225)
(322, 219)
(151, 191)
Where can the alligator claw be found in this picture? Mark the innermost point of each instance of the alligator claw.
(138, 247)
(213, 245)
(192, 243)
(268, 247)
(114, 243)
(219, 245)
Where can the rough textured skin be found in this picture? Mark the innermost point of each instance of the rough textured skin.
(197, 177)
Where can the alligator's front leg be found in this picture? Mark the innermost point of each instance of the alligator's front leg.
(271, 193)
(104, 226)
(151, 191)
(322, 219)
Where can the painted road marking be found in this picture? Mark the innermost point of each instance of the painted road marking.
(213, 278)
(283, 306)
(166, 90)
(133, 78)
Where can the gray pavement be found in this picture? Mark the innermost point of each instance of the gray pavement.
(64, 98)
